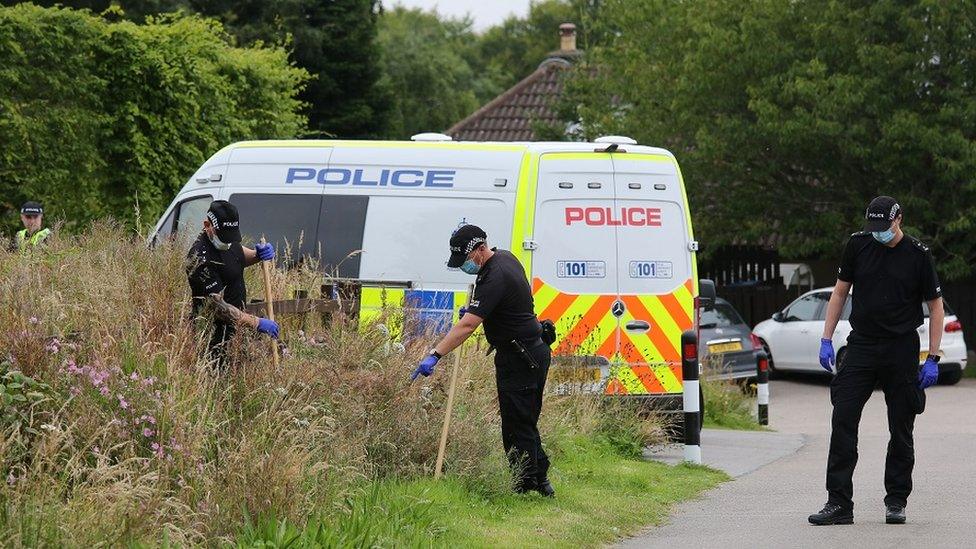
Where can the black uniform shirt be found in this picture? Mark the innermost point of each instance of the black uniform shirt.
(211, 271)
(503, 298)
(890, 284)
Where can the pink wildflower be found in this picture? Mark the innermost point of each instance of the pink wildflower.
(124, 404)
(104, 391)
(34, 320)
(147, 432)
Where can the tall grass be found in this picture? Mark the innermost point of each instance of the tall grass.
(115, 430)
(728, 404)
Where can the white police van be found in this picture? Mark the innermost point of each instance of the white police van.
(603, 230)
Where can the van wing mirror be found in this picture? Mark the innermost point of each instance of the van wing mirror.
(778, 316)
(706, 293)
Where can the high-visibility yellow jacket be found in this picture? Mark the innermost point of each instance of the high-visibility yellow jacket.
(23, 242)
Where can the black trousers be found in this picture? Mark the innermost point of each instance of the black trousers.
(894, 363)
(520, 390)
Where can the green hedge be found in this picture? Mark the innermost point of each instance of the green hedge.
(101, 118)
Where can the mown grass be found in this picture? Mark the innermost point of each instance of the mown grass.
(115, 430)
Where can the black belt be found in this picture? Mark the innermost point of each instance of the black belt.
(520, 348)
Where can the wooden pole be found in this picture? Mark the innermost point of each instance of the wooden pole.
(447, 415)
(266, 269)
(438, 468)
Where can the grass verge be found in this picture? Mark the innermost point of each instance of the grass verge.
(115, 430)
(601, 496)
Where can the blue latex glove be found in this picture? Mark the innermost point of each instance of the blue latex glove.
(929, 374)
(265, 252)
(269, 327)
(827, 358)
(461, 312)
(425, 368)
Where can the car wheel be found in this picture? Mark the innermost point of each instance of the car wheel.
(950, 377)
(769, 355)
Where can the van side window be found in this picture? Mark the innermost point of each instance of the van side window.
(289, 221)
(189, 218)
(300, 226)
(186, 218)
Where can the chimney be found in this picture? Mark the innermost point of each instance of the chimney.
(567, 37)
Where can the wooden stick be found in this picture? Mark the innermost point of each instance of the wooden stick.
(447, 415)
(438, 468)
(266, 268)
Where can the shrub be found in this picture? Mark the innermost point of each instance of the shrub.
(117, 116)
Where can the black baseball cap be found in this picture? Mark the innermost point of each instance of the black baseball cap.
(880, 213)
(465, 239)
(32, 208)
(223, 216)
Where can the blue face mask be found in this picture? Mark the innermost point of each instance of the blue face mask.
(470, 267)
(884, 237)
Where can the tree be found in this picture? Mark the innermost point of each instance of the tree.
(513, 50)
(334, 40)
(98, 118)
(433, 84)
(788, 117)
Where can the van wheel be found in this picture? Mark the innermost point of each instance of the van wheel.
(950, 377)
(773, 374)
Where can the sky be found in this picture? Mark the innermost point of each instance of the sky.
(485, 13)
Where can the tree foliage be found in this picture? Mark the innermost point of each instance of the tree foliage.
(425, 67)
(788, 117)
(98, 117)
(334, 40)
(513, 50)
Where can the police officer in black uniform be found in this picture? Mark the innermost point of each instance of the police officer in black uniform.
(215, 268)
(892, 275)
(503, 302)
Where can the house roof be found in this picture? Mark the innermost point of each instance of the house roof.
(513, 115)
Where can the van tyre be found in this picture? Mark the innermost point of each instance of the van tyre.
(950, 377)
(773, 374)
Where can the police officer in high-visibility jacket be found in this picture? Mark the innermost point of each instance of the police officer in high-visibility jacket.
(892, 274)
(33, 233)
(503, 302)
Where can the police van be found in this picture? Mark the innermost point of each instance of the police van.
(603, 230)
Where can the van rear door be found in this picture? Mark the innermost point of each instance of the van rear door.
(654, 269)
(574, 268)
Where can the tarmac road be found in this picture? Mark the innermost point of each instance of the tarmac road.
(768, 506)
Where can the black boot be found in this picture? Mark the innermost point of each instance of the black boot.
(832, 514)
(545, 488)
(894, 514)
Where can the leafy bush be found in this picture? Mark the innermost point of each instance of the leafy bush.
(117, 116)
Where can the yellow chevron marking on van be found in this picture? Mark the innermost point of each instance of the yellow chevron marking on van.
(666, 376)
(626, 376)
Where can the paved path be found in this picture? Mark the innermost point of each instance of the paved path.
(768, 507)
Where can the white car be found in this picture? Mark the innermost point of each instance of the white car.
(792, 337)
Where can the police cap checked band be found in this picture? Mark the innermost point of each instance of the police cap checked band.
(891, 275)
(215, 268)
(503, 302)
